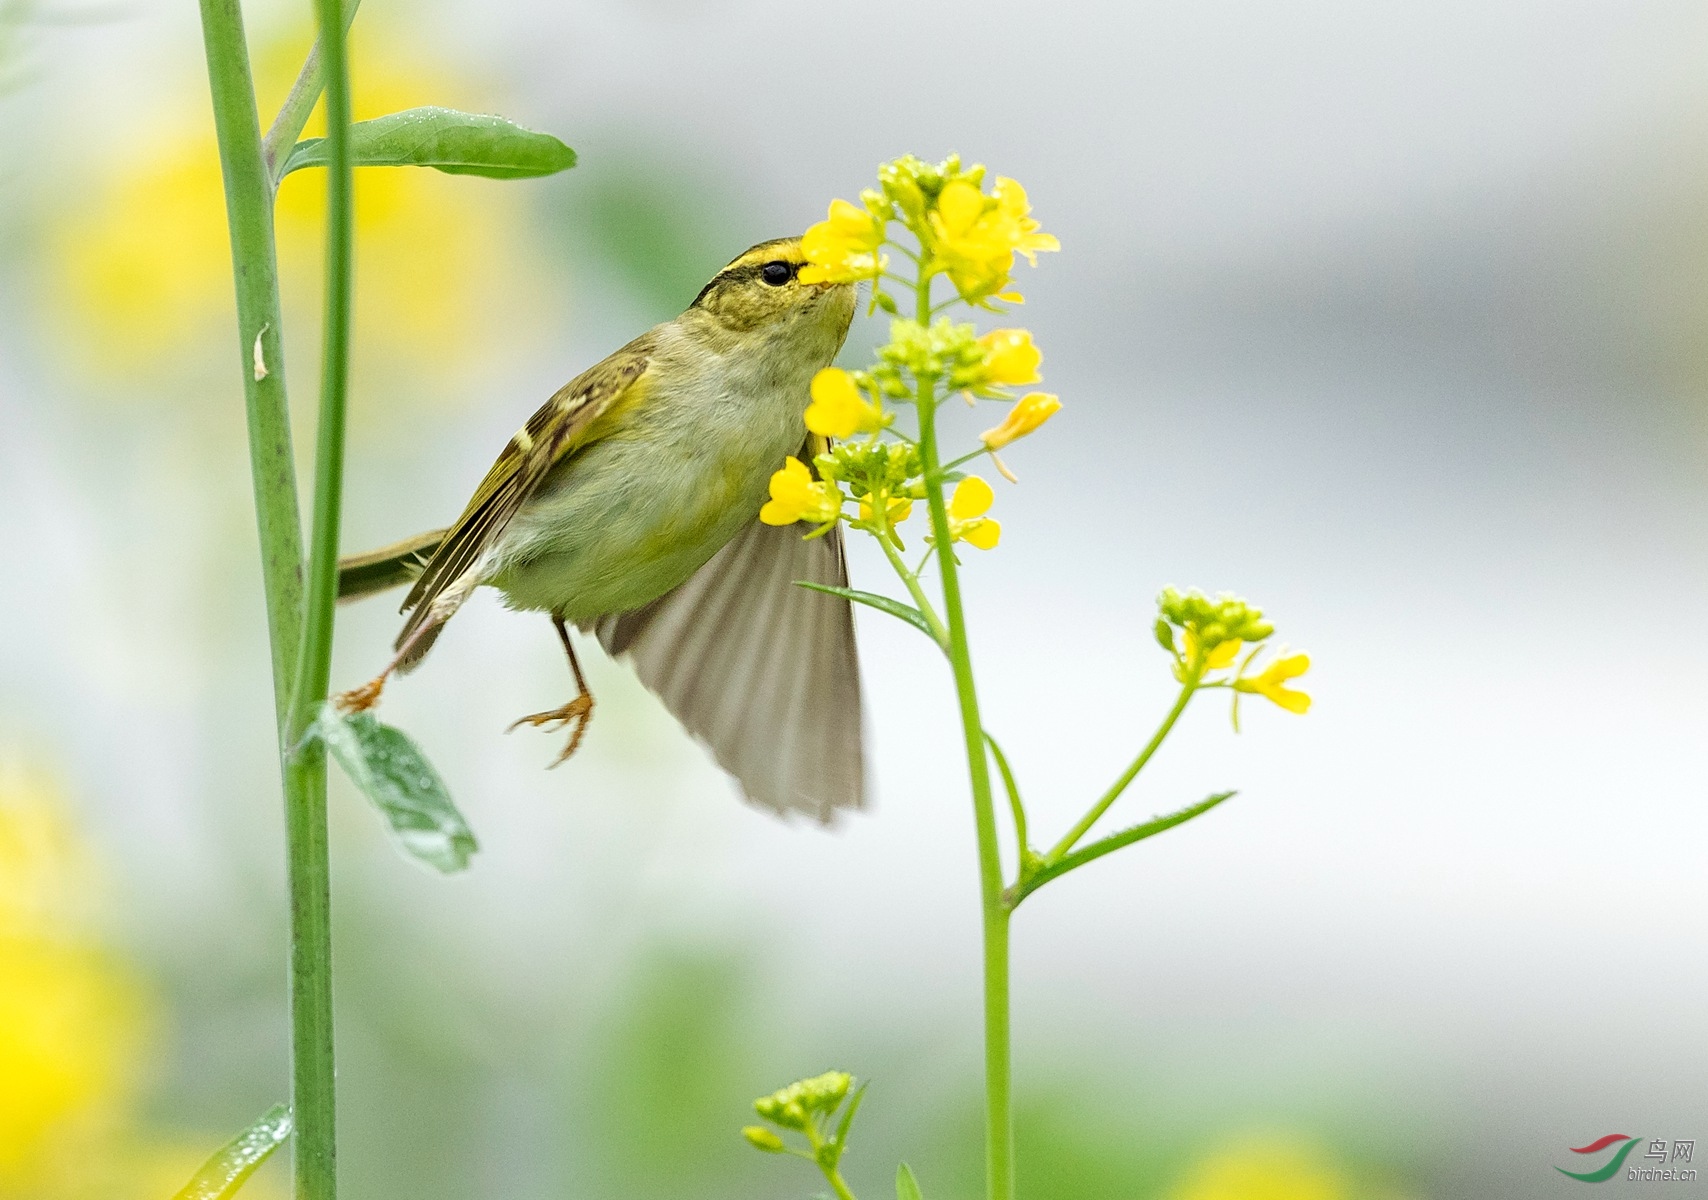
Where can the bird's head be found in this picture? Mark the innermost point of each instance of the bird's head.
(761, 292)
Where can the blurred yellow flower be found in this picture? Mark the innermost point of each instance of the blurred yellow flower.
(141, 271)
(71, 1020)
(838, 409)
(976, 236)
(1271, 682)
(967, 522)
(1265, 1169)
(1010, 358)
(1221, 655)
(843, 247)
(796, 496)
(1028, 413)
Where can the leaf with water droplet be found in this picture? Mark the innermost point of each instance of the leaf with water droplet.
(390, 770)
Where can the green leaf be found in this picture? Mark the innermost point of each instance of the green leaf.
(233, 1163)
(457, 143)
(840, 1141)
(392, 772)
(895, 608)
(907, 1187)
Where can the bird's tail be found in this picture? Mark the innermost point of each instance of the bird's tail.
(388, 567)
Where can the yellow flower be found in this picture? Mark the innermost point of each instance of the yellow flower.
(1010, 358)
(843, 247)
(1029, 412)
(898, 508)
(1011, 200)
(1221, 655)
(1263, 1169)
(838, 409)
(976, 239)
(796, 496)
(967, 522)
(1270, 683)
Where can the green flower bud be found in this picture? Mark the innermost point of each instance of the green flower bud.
(761, 1138)
(1164, 634)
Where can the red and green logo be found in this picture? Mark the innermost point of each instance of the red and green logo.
(1611, 1167)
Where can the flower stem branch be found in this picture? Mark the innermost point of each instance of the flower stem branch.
(299, 104)
(910, 580)
(999, 1122)
(1059, 851)
(1032, 881)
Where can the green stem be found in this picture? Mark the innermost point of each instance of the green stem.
(910, 580)
(313, 1083)
(248, 191)
(1022, 841)
(249, 216)
(999, 1122)
(294, 113)
(1071, 838)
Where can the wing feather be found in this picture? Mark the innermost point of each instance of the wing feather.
(764, 672)
(559, 428)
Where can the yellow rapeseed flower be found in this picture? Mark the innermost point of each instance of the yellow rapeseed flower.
(967, 522)
(1028, 413)
(899, 508)
(1221, 655)
(1010, 358)
(838, 409)
(71, 1019)
(1263, 1169)
(140, 270)
(843, 247)
(796, 496)
(975, 236)
(1271, 682)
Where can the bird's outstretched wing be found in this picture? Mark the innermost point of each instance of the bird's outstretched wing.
(762, 671)
(561, 426)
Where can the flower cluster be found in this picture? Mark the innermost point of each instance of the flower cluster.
(963, 232)
(805, 1100)
(1213, 631)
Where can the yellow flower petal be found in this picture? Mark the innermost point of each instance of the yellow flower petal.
(972, 498)
(1028, 413)
(982, 533)
(1269, 682)
(960, 205)
(1010, 357)
(838, 409)
(1223, 655)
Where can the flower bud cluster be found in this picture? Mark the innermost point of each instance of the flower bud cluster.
(799, 1104)
(944, 350)
(1209, 622)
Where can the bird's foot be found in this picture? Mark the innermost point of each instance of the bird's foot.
(576, 714)
(360, 699)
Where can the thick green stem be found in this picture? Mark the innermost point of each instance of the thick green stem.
(999, 1122)
(313, 1091)
(1071, 838)
(249, 215)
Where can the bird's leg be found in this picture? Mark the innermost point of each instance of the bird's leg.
(578, 712)
(360, 699)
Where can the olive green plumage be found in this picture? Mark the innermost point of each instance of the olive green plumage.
(627, 505)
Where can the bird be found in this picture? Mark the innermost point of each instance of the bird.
(627, 507)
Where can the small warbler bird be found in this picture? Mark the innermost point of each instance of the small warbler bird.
(628, 507)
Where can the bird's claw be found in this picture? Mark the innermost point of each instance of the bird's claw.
(577, 713)
(360, 699)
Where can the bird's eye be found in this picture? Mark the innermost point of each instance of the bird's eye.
(777, 273)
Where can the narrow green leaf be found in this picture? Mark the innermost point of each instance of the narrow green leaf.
(895, 608)
(392, 772)
(457, 143)
(233, 1163)
(840, 1141)
(907, 1187)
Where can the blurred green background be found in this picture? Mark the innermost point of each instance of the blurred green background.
(1390, 317)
